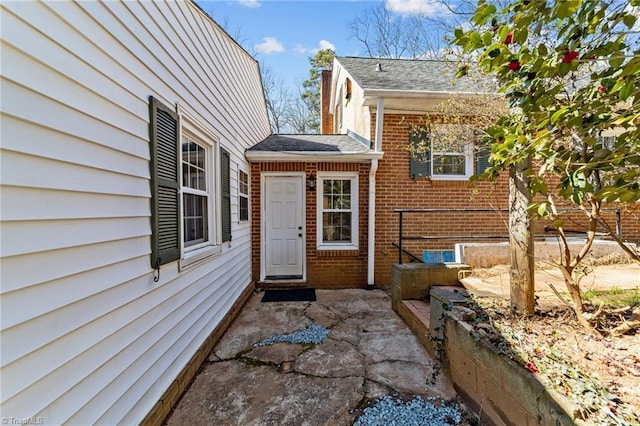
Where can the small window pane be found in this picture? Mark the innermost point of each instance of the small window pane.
(337, 227)
(244, 208)
(193, 165)
(244, 183)
(449, 165)
(195, 219)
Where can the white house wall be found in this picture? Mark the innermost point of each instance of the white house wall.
(355, 118)
(87, 336)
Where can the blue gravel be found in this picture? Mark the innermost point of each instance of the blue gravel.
(313, 334)
(390, 411)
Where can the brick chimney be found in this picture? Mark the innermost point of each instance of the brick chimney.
(326, 119)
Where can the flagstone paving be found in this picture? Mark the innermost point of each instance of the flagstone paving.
(369, 353)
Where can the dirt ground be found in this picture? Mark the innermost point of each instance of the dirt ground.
(601, 374)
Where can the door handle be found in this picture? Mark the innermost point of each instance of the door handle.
(299, 228)
(300, 235)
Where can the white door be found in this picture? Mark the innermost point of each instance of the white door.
(284, 227)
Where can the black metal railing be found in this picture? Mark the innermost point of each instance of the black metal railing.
(402, 237)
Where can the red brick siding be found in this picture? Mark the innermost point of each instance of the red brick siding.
(326, 118)
(325, 268)
(395, 189)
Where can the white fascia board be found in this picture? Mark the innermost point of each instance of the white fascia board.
(313, 156)
(335, 71)
(371, 95)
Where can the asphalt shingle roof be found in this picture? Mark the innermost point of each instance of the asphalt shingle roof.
(405, 74)
(311, 143)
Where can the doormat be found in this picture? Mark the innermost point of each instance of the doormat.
(290, 295)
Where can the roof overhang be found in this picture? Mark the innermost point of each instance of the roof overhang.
(371, 95)
(312, 156)
(411, 100)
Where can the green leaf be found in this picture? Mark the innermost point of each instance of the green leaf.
(566, 8)
(629, 20)
(542, 209)
(502, 33)
(626, 91)
(542, 50)
(616, 60)
(628, 196)
(487, 38)
(555, 118)
(577, 197)
(475, 39)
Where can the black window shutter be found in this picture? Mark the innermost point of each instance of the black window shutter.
(165, 196)
(419, 162)
(225, 179)
(482, 159)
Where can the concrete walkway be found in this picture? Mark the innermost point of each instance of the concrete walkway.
(369, 353)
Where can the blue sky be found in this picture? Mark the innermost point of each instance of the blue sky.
(284, 34)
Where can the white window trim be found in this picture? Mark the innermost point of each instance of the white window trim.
(468, 166)
(246, 195)
(195, 129)
(355, 207)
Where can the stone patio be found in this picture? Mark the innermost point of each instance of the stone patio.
(369, 353)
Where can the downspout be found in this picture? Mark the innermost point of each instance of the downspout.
(372, 196)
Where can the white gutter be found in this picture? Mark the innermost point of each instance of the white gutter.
(303, 156)
(379, 123)
(372, 196)
(403, 93)
(372, 224)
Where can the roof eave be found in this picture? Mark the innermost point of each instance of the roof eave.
(312, 156)
(370, 95)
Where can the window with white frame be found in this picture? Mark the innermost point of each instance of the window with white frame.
(184, 208)
(243, 196)
(451, 161)
(337, 211)
(196, 192)
(442, 152)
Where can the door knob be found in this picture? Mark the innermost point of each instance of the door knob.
(300, 235)
(299, 228)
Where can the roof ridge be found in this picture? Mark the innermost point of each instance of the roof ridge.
(393, 59)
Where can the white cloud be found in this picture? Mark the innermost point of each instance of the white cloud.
(300, 49)
(249, 3)
(416, 7)
(322, 45)
(269, 45)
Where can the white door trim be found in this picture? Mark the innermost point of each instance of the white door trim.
(263, 218)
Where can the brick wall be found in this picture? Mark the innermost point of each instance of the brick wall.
(326, 118)
(395, 189)
(325, 268)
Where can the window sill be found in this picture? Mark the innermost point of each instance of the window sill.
(327, 247)
(197, 256)
(452, 177)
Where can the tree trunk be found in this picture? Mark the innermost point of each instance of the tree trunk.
(520, 241)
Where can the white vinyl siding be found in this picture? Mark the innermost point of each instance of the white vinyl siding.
(87, 336)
